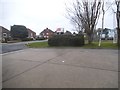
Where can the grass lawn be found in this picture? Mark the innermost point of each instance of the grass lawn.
(94, 45)
(104, 45)
(38, 45)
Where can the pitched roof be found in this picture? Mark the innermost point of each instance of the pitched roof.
(47, 30)
(31, 30)
(4, 29)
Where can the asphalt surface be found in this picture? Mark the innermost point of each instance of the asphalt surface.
(60, 68)
(12, 47)
(4, 48)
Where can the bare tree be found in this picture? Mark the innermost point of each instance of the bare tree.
(118, 20)
(85, 14)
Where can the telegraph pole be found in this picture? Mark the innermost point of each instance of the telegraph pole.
(102, 24)
(114, 28)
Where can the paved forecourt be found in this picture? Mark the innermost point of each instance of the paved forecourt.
(60, 68)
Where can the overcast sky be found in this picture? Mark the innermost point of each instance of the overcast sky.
(40, 14)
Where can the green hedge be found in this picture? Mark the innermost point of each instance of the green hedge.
(41, 38)
(27, 39)
(66, 40)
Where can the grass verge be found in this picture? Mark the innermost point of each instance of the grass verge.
(38, 45)
(104, 45)
(94, 45)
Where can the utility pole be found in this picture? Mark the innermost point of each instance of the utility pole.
(102, 24)
(114, 28)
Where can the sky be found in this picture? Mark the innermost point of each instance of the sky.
(40, 14)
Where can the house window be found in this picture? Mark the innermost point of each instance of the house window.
(31, 35)
(47, 33)
(4, 34)
(47, 36)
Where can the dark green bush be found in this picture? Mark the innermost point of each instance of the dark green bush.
(40, 38)
(66, 40)
(27, 39)
(19, 31)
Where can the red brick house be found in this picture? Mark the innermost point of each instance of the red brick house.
(31, 34)
(47, 33)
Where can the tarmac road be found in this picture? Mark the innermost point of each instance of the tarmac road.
(4, 48)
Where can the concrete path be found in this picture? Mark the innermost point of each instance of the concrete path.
(60, 68)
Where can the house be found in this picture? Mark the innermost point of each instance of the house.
(47, 33)
(4, 33)
(59, 31)
(108, 34)
(68, 33)
(31, 34)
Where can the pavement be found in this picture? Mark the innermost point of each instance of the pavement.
(60, 68)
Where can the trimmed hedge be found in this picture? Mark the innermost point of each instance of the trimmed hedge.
(66, 40)
(41, 38)
(27, 39)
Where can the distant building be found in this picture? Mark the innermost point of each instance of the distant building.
(68, 33)
(108, 34)
(31, 34)
(4, 33)
(59, 31)
(46, 33)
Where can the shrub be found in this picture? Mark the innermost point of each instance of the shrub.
(27, 39)
(66, 40)
(40, 38)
